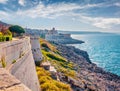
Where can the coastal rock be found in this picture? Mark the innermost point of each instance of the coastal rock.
(90, 77)
(67, 51)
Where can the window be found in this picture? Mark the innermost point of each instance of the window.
(34, 50)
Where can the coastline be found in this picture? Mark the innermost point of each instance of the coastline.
(68, 40)
(102, 49)
(84, 67)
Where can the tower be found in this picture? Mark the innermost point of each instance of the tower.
(36, 50)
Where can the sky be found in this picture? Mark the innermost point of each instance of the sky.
(68, 15)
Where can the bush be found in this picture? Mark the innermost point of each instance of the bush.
(37, 63)
(48, 84)
(44, 45)
(44, 79)
(16, 29)
(7, 32)
(14, 61)
(6, 36)
(55, 57)
(3, 62)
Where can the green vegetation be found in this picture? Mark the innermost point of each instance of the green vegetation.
(16, 30)
(60, 63)
(5, 36)
(37, 63)
(48, 84)
(21, 54)
(3, 62)
(55, 57)
(44, 45)
(14, 61)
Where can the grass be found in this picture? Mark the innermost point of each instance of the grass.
(45, 44)
(60, 63)
(55, 58)
(48, 84)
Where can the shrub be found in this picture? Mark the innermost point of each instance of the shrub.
(6, 36)
(37, 63)
(42, 72)
(55, 57)
(44, 45)
(3, 62)
(48, 84)
(44, 79)
(13, 61)
(7, 32)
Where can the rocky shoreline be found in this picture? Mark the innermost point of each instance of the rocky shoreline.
(90, 77)
(70, 41)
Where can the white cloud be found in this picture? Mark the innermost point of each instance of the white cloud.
(117, 4)
(21, 2)
(3, 14)
(3, 1)
(101, 22)
(54, 10)
(49, 11)
(65, 9)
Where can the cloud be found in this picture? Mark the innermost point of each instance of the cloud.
(3, 1)
(68, 9)
(54, 10)
(21, 2)
(3, 14)
(101, 22)
(117, 4)
(49, 11)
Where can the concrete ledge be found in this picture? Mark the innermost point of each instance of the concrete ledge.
(10, 83)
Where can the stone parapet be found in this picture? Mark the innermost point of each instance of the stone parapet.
(10, 83)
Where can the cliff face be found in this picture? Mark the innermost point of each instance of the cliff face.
(16, 56)
(90, 77)
(74, 53)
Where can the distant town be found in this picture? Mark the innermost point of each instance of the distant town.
(53, 36)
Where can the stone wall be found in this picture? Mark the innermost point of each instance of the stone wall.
(19, 61)
(24, 70)
(14, 49)
(10, 83)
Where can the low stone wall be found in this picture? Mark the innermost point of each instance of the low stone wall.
(19, 61)
(13, 50)
(10, 83)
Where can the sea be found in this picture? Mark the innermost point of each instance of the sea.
(103, 49)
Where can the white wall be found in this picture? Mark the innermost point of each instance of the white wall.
(35, 44)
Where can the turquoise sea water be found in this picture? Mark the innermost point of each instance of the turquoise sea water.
(103, 49)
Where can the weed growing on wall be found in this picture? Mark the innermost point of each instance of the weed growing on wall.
(3, 61)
